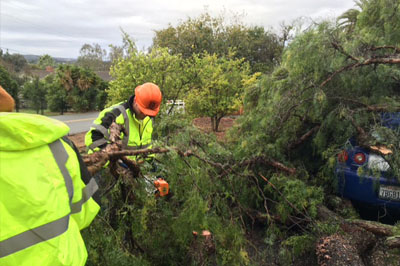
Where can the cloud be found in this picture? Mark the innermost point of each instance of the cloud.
(60, 28)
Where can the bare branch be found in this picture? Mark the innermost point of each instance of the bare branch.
(396, 49)
(270, 162)
(190, 153)
(339, 48)
(304, 137)
(97, 160)
(367, 62)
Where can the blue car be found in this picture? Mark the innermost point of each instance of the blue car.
(364, 177)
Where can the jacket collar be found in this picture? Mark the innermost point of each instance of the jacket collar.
(130, 102)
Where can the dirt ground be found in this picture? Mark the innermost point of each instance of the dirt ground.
(204, 123)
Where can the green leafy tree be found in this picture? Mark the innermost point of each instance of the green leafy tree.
(193, 36)
(77, 88)
(116, 52)
(200, 201)
(260, 47)
(34, 92)
(348, 19)
(218, 87)
(17, 62)
(378, 22)
(45, 61)
(205, 33)
(331, 86)
(119, 52)
(92, 56)
(169, 72)
(57, 98)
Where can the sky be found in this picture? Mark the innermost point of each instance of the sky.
(61, 27)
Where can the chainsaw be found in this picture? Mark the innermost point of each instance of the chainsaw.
(162, 187)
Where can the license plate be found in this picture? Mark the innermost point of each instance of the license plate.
(389, 192)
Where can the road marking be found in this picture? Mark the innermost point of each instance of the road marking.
(79, 120)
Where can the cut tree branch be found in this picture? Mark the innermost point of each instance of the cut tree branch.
(339, 48)
(273, 163)
(370, 108)
(371, 61)
(97, 160)
(303, 138)
(396, 49)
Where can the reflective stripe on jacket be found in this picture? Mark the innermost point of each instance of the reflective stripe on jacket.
(138, 132)
(43, 201)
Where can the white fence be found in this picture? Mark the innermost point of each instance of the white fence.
(179, 106)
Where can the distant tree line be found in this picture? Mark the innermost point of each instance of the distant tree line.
(68, 88)
(205, 61)
(215, 35)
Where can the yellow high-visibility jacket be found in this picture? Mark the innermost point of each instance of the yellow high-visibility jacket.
(43, 201)
(138, 132)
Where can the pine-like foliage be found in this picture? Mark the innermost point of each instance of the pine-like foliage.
(328, 87)
(137, 227)
(259, 194)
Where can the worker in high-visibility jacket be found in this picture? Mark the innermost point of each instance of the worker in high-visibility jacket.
(44, 202)
(134, 115)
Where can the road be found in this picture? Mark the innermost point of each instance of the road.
(77, 122)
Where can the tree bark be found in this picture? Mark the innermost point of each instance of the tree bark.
(303, 138)
(337, 250)
(361, 243)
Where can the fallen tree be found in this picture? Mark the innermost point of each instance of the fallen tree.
(360, 242)
(264, 195)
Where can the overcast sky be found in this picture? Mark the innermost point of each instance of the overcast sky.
(60, 27)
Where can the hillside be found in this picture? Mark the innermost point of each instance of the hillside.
(33, 59)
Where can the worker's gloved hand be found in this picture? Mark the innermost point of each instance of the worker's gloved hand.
(111, 147)
(122, 164)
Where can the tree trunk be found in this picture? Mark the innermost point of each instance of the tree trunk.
(62, 108)
(213, 123)
(337, 250)
(42, 108)
(361, 242)
(217, 123)
(215, 120)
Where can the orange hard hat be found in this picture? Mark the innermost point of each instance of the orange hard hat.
(6, 101)
(148, 98)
